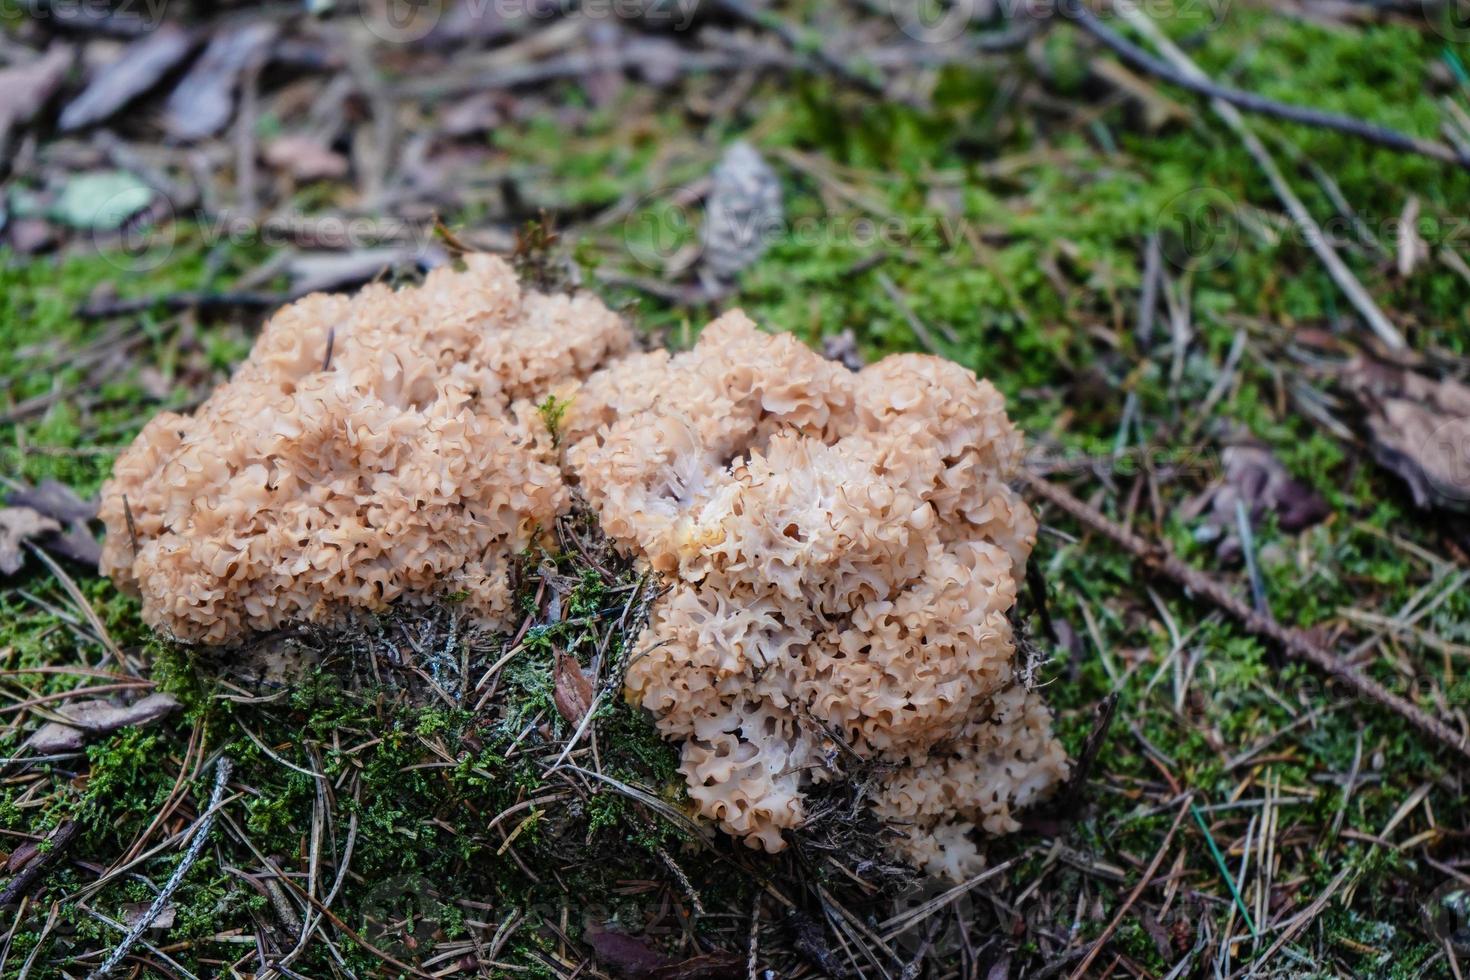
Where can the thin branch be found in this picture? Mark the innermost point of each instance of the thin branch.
(28, 876)
(1148, 876)
(1294, 642)
(1074, 11)
(222, 771)
(800, 44)
(1315, 237)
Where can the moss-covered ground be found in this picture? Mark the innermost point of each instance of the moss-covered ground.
(1012, 221)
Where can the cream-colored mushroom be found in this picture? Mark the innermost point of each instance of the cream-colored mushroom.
(373, 448)
(843, 549)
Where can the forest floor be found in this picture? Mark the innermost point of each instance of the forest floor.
(1007, 193)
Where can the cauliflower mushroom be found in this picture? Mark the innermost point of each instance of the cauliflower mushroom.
(843, 549)
(374, 447)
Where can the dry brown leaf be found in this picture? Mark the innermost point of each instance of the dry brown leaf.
(133, 912)
(97, 717)
(1419, 428)
(55, 500)
(25, 89)
(204, 100)
(18, 525)
(31, 236)
(572, 690)
(1255, 477)
(633, 956)
(141, 66)
(54, 738)
(305, 158)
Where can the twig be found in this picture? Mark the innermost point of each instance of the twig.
(1226, 110)
(1294, 642)
(1148, 876)
(798, 44)
(752, 960)
(1301, 921)
(83, 606)
(222, 771)
(920, 329)
(26, 878)
(176, 302)
(1074, 11)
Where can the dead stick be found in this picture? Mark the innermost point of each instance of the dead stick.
(1316, 239)
(30, 875)
(1296, 643)
(1148, 876)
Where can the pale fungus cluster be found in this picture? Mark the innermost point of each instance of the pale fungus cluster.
(841, 548)
(372, 448)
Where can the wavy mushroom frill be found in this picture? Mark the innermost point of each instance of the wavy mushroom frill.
(374, 447)
(843, 549)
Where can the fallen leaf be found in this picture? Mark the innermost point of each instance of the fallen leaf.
(96, 717)
(632, 956)
(1419, 429)
(54, 738)
(133, 912)
(843, 348)
(74, 540)
(99, 717)
(55, 500)
(305, 158)
(142, 65)
(1255, 477)
(572, 689)
(312, 272)
(25, 89)
(75, 544)
(31, 236)
(101, 201)
(743, 213)
(472, 115)
(18, 525)
(203, 102)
